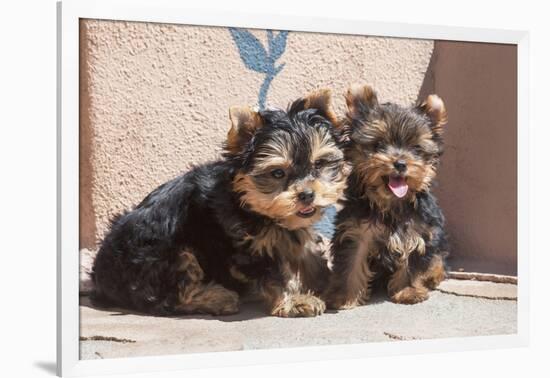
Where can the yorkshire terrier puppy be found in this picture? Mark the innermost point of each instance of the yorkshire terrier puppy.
(197, 242)
(391, 228)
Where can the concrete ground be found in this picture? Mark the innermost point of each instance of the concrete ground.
(457, 308)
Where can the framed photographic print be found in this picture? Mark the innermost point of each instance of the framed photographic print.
(240, 189)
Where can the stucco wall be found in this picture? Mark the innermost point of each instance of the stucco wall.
(478, 177)
(155, 97)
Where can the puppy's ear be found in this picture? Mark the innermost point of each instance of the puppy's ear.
(434, 108)
(360, 100)
(319, 100)
(244, 124)
(322, 101)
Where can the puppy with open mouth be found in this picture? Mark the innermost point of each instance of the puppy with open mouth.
(199, 241)
(391, 228)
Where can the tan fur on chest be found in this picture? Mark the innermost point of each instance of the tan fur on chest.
(369, 236)
(406, 241)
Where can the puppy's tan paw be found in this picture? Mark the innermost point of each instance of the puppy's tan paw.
(228, 302)
(300, 305)
(340, 303)
(410, 295)
(343, 302)
(211, 299)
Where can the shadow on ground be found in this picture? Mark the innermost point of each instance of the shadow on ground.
(48, 367)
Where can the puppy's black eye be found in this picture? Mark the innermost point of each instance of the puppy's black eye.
(319, 163)
(278, 173)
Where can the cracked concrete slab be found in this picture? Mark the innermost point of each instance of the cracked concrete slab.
(115, 333)
(479, 289)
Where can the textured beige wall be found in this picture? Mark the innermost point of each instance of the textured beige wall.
(478, 175)
(155, 98)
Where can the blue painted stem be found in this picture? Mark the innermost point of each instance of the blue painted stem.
(272, 72)
(264, 88)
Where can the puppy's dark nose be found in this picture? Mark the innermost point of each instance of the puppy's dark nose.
(400, 165)
(306, 197)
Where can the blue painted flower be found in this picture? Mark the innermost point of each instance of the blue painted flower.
(256, 58)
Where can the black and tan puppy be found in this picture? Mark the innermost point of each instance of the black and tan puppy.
(195, 243)
(391, 228)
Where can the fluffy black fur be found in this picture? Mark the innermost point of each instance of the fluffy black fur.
(137, 265)
(140, 265)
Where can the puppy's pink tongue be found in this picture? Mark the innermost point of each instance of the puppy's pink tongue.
(398, 186)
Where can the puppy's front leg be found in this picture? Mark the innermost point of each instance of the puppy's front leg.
(283, 297)
(351, 275)
(412, 281)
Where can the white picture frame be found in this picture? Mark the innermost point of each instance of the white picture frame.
(173, 11)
